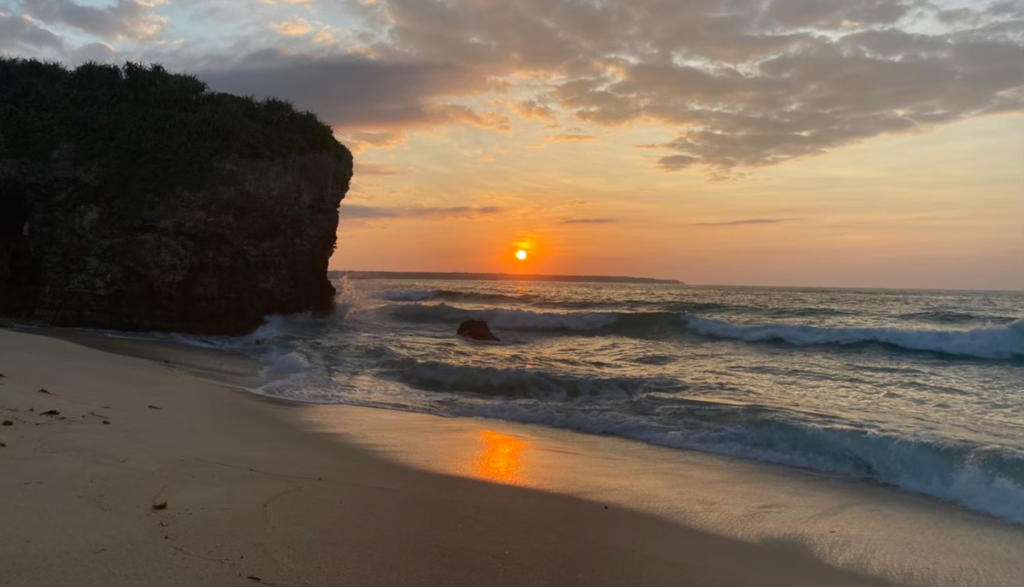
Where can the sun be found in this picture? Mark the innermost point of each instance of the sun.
(521, 255)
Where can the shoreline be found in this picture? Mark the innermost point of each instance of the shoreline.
(232, 365)
(294, 493)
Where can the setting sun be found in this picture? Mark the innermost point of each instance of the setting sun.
(521, 255)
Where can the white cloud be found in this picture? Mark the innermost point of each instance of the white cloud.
(131, 19)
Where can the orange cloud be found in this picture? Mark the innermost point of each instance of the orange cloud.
(531, 109)
(292, 27)
(360, 140)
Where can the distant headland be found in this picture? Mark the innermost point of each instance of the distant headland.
(459, 276)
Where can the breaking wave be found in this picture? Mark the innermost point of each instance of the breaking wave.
(685, 368)
(991, 342)
(982, 478)
(995, 342)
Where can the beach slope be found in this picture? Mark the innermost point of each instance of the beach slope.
(118, 470)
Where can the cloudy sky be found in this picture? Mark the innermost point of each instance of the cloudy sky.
(775, 142)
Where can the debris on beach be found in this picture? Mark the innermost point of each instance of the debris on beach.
(7, 423)
(50, 413)
(152, 407)
(160, 506)
(43, 390)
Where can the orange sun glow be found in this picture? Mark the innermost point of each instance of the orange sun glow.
(521, 255)
(499, 460)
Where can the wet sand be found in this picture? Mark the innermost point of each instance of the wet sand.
(267, 492)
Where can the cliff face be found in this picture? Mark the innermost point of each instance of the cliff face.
(211, 260)
(134, 198)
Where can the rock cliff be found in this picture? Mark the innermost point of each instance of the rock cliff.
(118, 228)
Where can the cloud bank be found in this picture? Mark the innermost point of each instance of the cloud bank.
(740, 84)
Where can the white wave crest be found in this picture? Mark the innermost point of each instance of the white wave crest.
(292, 362)
(995, 342)
(910, 465)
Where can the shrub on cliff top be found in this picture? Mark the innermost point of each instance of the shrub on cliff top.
(149, 131)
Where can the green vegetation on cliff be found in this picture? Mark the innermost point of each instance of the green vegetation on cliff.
(146, 130)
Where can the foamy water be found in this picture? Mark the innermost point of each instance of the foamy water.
(923, 390)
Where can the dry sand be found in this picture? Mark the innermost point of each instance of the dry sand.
(264, 492)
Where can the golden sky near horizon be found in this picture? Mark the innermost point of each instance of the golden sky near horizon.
(871, 143)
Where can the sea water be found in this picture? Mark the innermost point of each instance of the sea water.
(923, 390)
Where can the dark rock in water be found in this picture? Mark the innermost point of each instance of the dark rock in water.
(477, 330)
(161, 205)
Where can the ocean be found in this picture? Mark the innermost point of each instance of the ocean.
(923, 390)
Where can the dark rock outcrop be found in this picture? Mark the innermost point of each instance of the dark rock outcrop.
(86, 241)
(477, 330)
(215, 260)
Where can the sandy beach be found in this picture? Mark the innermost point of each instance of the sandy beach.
(132, 470)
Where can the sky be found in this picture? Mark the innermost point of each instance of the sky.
(848, 143)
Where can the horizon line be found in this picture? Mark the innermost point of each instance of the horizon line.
(525, 276)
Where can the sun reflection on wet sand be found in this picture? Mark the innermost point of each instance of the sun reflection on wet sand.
(499, 459)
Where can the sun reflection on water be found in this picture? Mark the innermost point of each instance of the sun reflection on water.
(499, 459)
